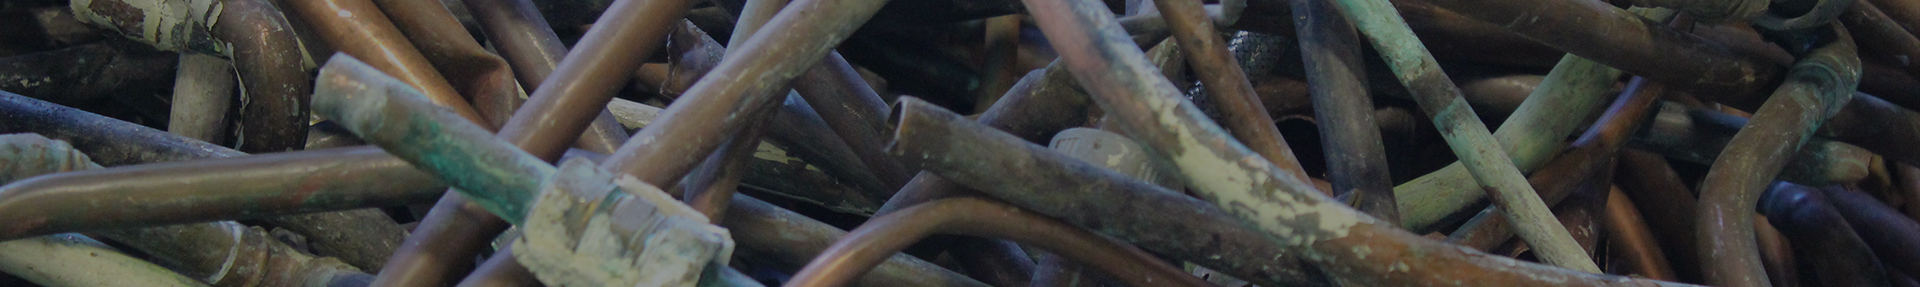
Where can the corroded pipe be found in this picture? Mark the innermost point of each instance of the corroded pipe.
(73, 260)
(1821, 237)
(1356, 159)
(1227, 87)
(202, 92)
(1532, 133)
(1590, 154)
(874, 240)
(1479, 152)
(1329, 233)
(977, 156)
(1816, 88)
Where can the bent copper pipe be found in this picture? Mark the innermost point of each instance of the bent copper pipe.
(586, 79)
(1884, 229)
(1776, 253)
(1227, 87)
(1821, 238)
(1534, 131)
(357, 27)
(874, 240)
(1356, 159)
(974, 155)
(1609, 35)
(273, 66)
(1483, 156)
(1631, 241)
(1816, 88)
(792, 239)
(1590, 154)
(1698, 135)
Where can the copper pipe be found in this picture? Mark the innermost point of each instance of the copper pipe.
(1903, 12)
(1698, 136)
(1228, 89)
(1658, 192)
(792, 239)
(1881, 127)
(718, 106)
(500, 270)
(586, 79)
(358, 28)
(275, 70)
(1817, 87)
(1884, 229)
(935, 140)
(250, 187)
(1590, 155)
(1866, 20)
(482, 78)
(1776, 253)
(1631, 241)
(116, 143)
(1821, 237)
(1356, 159)
(873, 241)
(1609, 35)
(533, 50)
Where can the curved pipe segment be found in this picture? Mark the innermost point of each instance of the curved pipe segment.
(873, 241)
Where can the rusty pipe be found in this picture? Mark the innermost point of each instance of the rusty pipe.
(874, 240)
(1816, 88)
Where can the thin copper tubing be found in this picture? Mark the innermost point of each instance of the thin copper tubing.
(882, 236)
(587, 78)
(1356, 158)
(1631, 241)
(719, 104)
(1227, 85)
(1816, 88)
(358, 28)
(532, 51)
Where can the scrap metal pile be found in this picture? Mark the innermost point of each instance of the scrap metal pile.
(959, 143)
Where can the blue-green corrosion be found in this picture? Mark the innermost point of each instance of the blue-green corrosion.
(388, 113)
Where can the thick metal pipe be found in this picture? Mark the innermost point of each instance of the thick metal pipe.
(1892, 236)
(873, 241)
(1822, 239)
(1816, 88)
(1356, 159)
(358, 28)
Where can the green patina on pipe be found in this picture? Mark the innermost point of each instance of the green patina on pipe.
(1481, 155)
(391, 114)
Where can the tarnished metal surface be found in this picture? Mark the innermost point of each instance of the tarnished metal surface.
(1821, 238)
(1356, 159)
(1817, 88)
(873, 241)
